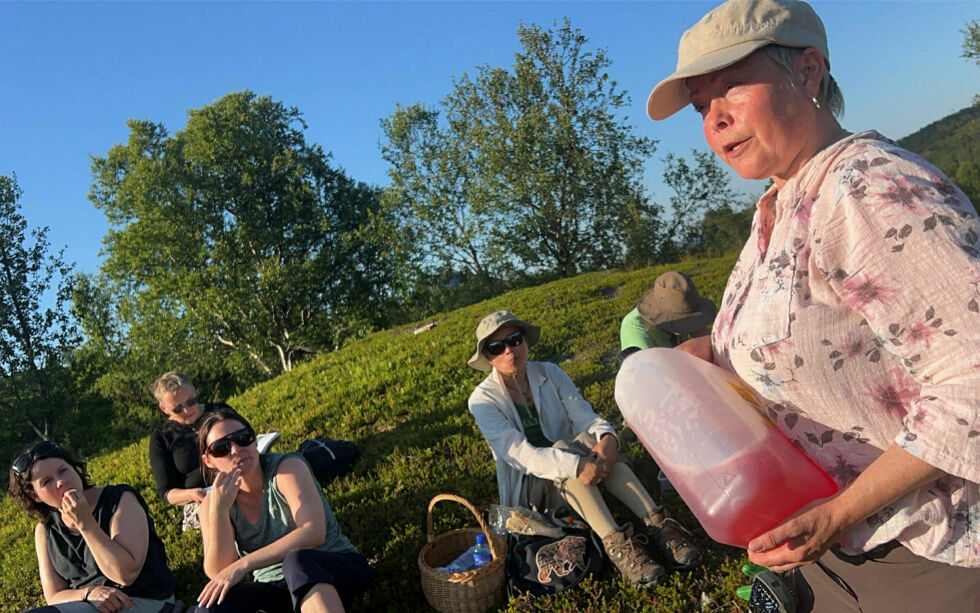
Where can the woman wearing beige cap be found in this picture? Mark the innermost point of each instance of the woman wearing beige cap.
(853, 311)
(549, 445)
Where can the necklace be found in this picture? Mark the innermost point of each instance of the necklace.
(518, 389)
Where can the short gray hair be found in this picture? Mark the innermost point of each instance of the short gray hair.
(170, 382)
(830, 94)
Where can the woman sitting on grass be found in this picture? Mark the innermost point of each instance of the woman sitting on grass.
(174, 457)
(266, 515)
(96, 546)
(550, 445)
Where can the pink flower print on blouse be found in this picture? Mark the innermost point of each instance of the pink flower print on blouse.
(921, 333)
(923, 415)
(901, 197)
(724, 322)
(853, 345)
(861, 290)
(894, 396)
(803, 208)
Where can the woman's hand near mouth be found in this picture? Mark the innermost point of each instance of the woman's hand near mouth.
(224, 490)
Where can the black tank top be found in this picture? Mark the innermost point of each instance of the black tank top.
(73, 561)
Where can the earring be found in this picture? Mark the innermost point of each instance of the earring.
(816, 103)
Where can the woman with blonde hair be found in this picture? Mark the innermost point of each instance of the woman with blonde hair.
(174, 458)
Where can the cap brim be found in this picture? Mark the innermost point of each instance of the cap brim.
(689, 322)
(671, 94)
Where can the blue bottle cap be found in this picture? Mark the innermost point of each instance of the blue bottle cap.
(481, 538)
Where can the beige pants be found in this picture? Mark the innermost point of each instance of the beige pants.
(544, 496)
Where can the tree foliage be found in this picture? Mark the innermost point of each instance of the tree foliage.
(239, 232)
(698, 190)
(725, 229)
(971, 41)
(34, 339)
(526, 168)
(971, 49)
(131, 339)
(967, 177)
(433, 173)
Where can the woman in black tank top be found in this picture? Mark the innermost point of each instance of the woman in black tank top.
(94, 545)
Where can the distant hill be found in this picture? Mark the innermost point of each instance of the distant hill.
(953, 144)
(950, 141)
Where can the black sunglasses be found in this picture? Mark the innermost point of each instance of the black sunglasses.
(222, 447)
(23, 462)
(514, 339)
(183, 406)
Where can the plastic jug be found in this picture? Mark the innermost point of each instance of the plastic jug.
(708, 432)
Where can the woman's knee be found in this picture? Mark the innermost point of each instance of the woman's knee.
(300, 559)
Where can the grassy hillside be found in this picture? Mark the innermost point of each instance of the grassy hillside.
(948, 141)
(953, 144)
(402, 399)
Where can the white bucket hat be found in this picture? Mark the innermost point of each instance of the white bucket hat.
(490, 324)
(729, 34)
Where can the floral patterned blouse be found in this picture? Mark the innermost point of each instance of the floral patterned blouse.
(854, 311)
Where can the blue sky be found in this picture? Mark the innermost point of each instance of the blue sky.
(73, 73)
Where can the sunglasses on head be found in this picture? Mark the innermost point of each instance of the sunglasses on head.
(23, 462)
(222, 447)
(512, 340)
(183, 406)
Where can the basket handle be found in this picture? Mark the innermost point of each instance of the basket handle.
(430, 532)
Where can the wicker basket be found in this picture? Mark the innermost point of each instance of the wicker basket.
(472, 591)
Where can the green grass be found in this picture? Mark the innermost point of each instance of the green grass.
(402, 399)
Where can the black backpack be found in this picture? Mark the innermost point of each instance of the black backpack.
(328, 458)
(539, 565)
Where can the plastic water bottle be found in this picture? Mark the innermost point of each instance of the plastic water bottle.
(481, 552)
(469, 560)
(708, 433)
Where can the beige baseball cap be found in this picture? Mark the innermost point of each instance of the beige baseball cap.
(728, 34)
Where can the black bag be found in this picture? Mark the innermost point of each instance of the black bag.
(540, 565)
(328, 458)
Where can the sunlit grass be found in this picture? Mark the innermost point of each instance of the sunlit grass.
(402, 398)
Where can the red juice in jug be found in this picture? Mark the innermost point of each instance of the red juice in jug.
(736, 472)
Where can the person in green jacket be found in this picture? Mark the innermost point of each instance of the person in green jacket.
(671, 312)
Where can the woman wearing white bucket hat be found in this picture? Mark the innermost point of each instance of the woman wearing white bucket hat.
(549, 445)
(852, 312)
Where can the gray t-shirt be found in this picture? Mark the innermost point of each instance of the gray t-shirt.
(277, 522)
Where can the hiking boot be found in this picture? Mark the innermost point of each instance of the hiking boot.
(629, 554)
(673, 541)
